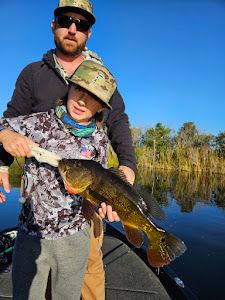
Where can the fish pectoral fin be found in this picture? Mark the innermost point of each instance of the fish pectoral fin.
(134, 235)
(90, 199)
(94, 198)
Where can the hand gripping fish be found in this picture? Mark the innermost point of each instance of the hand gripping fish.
(96, 184)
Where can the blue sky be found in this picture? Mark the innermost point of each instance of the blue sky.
(168, 55)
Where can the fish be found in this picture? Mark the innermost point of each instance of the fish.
(137, 211)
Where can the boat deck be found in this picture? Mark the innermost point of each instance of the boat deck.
(127, 275)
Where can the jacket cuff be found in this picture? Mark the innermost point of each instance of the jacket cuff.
(5, 158)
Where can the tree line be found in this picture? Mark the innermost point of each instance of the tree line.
(186, 150)
(160, 147)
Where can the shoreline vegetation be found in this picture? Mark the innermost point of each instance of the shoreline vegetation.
(189, 150)
(161, 149)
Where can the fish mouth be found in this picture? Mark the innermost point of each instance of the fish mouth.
(71, 190)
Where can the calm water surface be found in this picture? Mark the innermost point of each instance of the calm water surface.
(195, 211)
(9, 210)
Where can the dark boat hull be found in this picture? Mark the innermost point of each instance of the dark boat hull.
(128, 274)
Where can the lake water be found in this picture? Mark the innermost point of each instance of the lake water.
(195, 212)
(9, 210)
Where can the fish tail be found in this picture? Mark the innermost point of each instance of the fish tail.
(163, 248)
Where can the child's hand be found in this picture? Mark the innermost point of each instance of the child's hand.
(2, 197)
(4, 181)
(105, 211)
(15, 143)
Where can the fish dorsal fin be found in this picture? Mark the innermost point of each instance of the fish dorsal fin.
(120, 174)
(134, 235)
(152, 205)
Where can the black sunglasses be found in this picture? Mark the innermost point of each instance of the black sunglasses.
(67, 21)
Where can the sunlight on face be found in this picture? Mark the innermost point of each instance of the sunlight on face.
(81, 105)
(70, 41)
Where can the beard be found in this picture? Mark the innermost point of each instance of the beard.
(69, 46)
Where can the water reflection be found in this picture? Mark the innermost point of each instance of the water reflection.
(195, 211)
(9, 210)
(187, 188)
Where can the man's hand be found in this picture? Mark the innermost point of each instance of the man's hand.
(129, 173)
(4, 181)
(15, 143)
(105, 211)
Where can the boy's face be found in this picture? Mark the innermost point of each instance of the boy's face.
(81, 105)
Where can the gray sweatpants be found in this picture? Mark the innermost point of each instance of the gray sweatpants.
(33, 259)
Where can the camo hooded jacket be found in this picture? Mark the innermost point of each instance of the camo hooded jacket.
(49, 211)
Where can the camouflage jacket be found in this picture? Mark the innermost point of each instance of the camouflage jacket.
(49, 211)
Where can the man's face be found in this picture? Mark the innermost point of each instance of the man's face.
(70, 41)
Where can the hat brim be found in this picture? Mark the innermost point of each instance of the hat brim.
(80, 11)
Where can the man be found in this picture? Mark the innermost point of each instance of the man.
(41, 83)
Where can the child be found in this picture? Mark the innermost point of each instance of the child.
(53, 234)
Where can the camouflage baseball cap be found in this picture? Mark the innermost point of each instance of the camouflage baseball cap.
(82, 7)
(96, 79)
